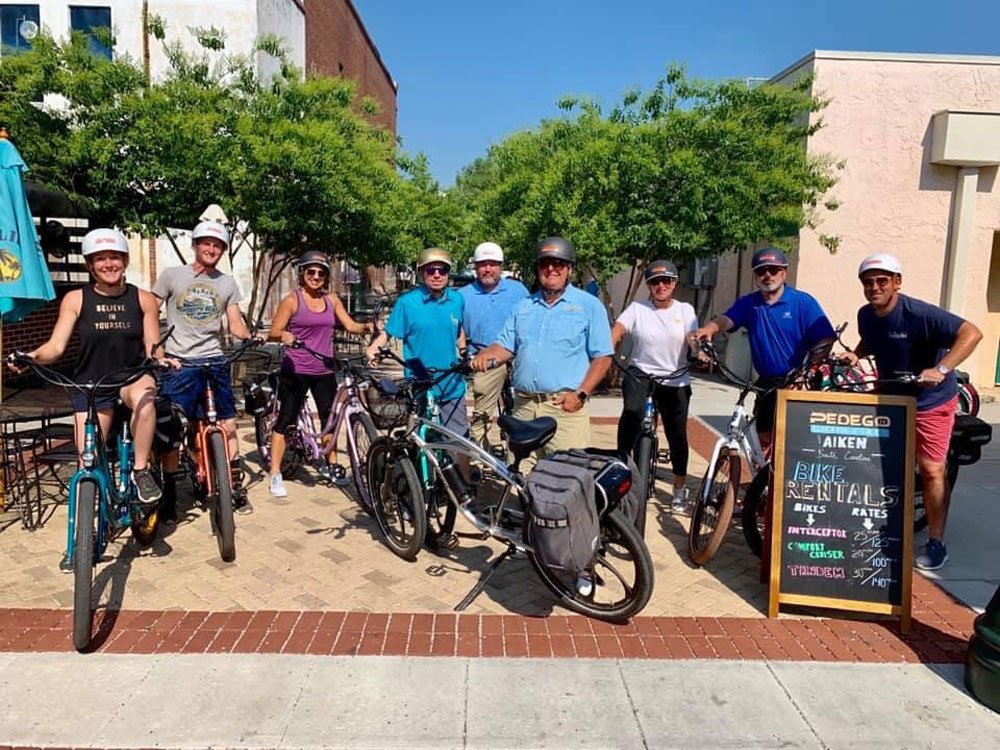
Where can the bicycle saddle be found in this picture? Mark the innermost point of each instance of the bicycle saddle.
(525, 436)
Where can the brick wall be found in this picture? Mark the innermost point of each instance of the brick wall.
(35, 330)
(337, 43)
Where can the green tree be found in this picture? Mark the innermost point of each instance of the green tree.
(688, 169)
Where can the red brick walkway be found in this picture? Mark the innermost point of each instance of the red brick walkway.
(939, 634)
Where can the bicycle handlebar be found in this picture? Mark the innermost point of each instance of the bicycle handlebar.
(636, 373)
(56, 378)
(245, 346)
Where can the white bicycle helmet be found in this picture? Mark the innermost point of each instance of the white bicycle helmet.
(488, 251)
(104, 240)
(211, 229)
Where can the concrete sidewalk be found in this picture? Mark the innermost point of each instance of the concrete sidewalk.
(234, 701)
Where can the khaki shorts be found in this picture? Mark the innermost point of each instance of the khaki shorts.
(573, 430)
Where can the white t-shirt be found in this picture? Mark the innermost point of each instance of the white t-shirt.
(659, 337)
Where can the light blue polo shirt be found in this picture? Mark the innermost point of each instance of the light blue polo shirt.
(428, 328)
(553, 345)
(487, 311)
(781, 333)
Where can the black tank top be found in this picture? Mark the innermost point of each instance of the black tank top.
(110, 330)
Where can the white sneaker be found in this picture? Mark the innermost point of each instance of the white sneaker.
(584, 585)
(680, 502)
(278, 486)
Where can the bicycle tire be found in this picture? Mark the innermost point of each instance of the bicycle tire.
(645, 460)
(83, 564)
(362, 426)
(919, 512)
(754, 509)
(222, 512)
(968, 400)
(713, 510)
(617, 532)
(291, 459)
(396, 499)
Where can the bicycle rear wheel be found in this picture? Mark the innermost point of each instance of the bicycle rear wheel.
(968, 400)
(293, 456)
(621, 573)
(397, 500)
(222, 512)
(83, 563)
(713, 508)
(754, 514)
(363, 430)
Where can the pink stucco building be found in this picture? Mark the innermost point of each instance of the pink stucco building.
(919, 136)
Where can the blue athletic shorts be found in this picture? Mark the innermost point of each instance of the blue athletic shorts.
(186, 388)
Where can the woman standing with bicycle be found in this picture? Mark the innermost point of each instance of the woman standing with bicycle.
(658, 328)
(118, 325)
(309, 314)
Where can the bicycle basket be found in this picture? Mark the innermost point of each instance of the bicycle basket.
(388, 404)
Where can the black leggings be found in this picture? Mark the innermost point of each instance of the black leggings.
(292, 391)
(672, 405)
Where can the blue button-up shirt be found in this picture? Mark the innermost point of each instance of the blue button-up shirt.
(487, 310)
(554, 344)
(429, 328)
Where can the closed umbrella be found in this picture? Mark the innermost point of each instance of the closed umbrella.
(25, 282)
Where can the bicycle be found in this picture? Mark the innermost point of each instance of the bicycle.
(304, 444)
(102, 500)
(205, 454)
(646, 451)
(398, 501)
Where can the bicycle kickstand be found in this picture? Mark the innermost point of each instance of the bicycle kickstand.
(481, 585)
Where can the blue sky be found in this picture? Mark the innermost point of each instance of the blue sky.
(470, 73)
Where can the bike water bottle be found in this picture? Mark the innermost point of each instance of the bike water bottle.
(454, 478)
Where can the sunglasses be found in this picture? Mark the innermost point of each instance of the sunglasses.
(435, 270)
(876, 281)
(662, 281)
(768, 270)
(553, 263)
(321, 272)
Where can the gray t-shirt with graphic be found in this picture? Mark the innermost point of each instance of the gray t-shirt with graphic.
(196, 305)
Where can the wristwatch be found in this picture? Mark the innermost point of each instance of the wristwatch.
(943, 369)
(583, 396)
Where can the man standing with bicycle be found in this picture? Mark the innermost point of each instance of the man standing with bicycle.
(489, 300)
(908, 335)
(784, 325)
(560, 341)
(197, 298)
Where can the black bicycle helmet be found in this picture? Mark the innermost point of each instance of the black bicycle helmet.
(555, 247)
(314, 258)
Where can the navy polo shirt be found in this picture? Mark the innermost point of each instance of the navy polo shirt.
(913, 337)
(428, 328)
(782, 333)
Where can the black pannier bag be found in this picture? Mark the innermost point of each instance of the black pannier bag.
(613, 479)
(968, 437)
(562, 515)
(257, 395)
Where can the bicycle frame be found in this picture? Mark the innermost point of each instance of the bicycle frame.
(203, 428)
(740, 436)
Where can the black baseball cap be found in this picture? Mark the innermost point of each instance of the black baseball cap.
(768, 256)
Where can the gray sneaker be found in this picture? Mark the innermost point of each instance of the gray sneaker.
(146, 487)
(681, 500)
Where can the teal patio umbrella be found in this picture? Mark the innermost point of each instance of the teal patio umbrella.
(25, 282)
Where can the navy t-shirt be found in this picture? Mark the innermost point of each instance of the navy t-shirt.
(914, 336)
(782, 333)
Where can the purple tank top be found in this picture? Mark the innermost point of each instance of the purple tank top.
(315, 330)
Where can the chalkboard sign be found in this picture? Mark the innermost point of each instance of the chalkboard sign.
(842, 518)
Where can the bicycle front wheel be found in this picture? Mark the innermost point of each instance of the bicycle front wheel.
(754, 515)
(620, 575)
(397, 500)
(83, 563)
(645, 459)
(364, 433)
(222, 513)
(293, 456)
(713, 508)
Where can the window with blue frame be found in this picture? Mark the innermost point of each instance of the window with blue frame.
(87, 19)
(18, 26)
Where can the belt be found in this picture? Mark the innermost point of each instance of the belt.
(538, 398)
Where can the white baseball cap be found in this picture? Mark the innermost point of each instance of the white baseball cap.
(488, 251)
(102, 240)
(881, 262)
(211, 229)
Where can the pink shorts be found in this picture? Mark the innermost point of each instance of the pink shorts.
(934, 428)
